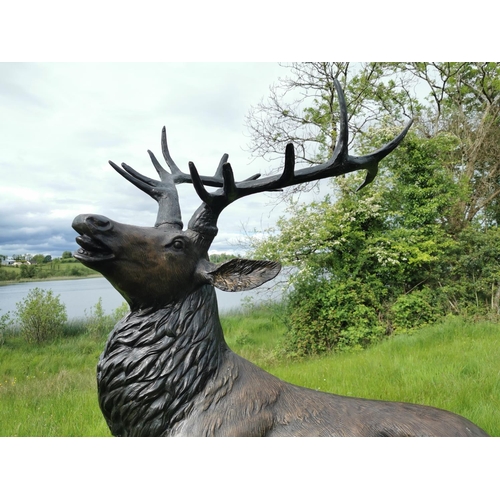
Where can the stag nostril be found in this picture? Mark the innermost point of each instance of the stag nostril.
(99, 222)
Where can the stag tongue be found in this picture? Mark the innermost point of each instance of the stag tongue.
(92, 250)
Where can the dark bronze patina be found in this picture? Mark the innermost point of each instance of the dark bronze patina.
(166, 369)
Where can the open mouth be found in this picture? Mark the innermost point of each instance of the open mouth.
(91, 250)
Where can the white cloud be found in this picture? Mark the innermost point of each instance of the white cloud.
(61, 123)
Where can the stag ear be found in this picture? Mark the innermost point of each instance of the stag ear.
(241, 274)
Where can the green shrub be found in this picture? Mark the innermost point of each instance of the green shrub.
(332, 316)
(97, 321)
(8, 274)
(74, 271)
(27, 271)
(120, 312)
(415, 310)
(41, 316)
(99, 324)
(5, 323)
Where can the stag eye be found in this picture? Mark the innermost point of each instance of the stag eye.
(178, 244)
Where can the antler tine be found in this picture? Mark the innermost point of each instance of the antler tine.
(180, 177)
(138, 180)
(341, 147)
(198, 184)
(164, 192)
(289, 169)
(222, 197)
(370, 162)
(166, 154)
(218, 172)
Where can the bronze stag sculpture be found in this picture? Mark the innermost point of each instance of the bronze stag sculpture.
(166, 369)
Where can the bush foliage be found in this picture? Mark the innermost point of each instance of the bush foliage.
(384, 260)
(41, 316)
(418, 243)
(98, 323)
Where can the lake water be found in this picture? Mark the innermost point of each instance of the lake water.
(80, 295)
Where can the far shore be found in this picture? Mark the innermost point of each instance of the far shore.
(50, 278)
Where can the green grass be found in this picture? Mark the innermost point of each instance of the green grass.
(63, 269)
(454, 365)
(50, 390)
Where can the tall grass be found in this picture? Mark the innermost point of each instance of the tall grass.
(454, 366)
(50, 390)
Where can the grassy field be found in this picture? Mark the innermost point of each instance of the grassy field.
(58, 269)
(50, 390)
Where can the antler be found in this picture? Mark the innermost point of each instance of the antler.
(339, 163)
(204, 220)
(164, 190)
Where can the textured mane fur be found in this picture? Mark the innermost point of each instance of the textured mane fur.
(156, 363)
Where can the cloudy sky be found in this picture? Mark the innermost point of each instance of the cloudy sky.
(62, 122)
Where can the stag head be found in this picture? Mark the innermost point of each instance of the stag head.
(155, 266)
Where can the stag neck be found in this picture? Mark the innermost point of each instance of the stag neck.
(169, 355)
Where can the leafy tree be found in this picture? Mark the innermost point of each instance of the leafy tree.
(47, 258)
(67, 254)
(7, 275)
(41, 316)
(462, 100)
(400, 253)
(27, 271)
(355, 257)
(472, 282)
(38, 258)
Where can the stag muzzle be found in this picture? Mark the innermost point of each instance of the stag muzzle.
(92, 228)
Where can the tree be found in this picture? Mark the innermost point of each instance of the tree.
(357, 254)
(27, 271)
(67, 255)
(38, 258)
(465, 102)
(461, 100)
(398, 254)
(41, 316)
(303, 108)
